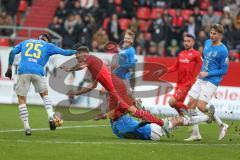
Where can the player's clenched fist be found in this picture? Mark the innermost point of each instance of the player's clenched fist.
(9, 73)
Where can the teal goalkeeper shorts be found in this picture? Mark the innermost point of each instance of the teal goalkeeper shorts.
(127, 127)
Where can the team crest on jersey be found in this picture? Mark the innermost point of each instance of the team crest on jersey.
(214, 54)
(226, 61)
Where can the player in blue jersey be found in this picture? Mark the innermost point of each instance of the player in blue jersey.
(126, 58)
(215, 65)
(123, 65)
(34, 56)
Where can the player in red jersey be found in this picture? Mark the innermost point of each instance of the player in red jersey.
(119, 101)
(188, 66)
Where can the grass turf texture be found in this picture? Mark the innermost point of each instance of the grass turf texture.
(95, 140)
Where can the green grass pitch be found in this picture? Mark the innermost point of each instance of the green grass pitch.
(95, 141)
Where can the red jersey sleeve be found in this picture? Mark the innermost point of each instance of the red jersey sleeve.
(198, 59)
(174, 67)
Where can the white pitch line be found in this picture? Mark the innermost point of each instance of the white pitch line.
(44, 129)
(118, 143)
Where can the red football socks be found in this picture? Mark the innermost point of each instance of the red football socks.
(148, 117)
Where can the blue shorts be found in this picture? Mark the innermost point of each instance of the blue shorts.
(127, 127)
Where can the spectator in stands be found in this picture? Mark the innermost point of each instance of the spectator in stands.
(111, 8)
(197, 16)
(5, 20)
(190, 3)
(128, 6)
(86, 30)
(146, 3)
(70, 36)
(217, 4)
(153, 49)
(134, 26)
(235, 33)
(113, 29)
(175, 4)
(77, 9)
(177, 26)
(55, 25)
(201, 37)
(210, 18)
(191, 27)
(99, 39)
(157, 30)
(98, 13)
(173, 49)
(61, 11)
(11, 7)
(159, 3)
(226, 20)
(141, 44)
(234, 6)
(86, 4)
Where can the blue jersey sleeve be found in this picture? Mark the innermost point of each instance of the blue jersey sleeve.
(52, 50)
(223, 65)
(17, 49)
(130, 59)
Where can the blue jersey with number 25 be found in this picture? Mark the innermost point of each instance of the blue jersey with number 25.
(35, 55)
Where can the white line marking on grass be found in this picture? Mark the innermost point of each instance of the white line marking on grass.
(44, 129)
(118, 143)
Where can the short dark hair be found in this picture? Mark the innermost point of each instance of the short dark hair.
(45, 35)
(218, 27)
(190, 36)
(83, 49)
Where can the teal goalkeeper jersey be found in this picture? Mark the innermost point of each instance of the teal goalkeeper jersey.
(35, 54)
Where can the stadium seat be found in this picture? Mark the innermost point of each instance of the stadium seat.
(4, 42)
(124, 23)
(234, 54)
(143, 13)
(156, 11)
(186, 13)
(204, 4)
(118, 2)
(105, 23)
(172, 12)
(23, 6)
(144, 25)
(202, 12)
(218, 13)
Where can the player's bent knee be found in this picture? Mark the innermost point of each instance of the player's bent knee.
(202, 106)
(45, 93)
(192, 103)
(156, 132)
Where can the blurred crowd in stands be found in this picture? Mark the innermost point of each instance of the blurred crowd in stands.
(8, 11)
(159, 25)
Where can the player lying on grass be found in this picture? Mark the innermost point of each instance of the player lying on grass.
(34, 56)
(120, 104)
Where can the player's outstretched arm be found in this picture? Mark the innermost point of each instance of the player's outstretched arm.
(52, 50)
(74, 68)
(83, 90)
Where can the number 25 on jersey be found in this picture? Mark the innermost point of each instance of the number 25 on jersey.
(37, 51)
